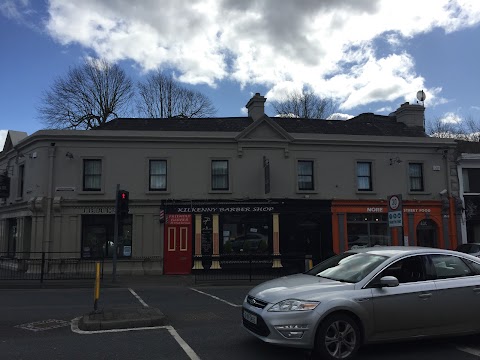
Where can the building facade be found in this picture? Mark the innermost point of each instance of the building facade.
(212, 187)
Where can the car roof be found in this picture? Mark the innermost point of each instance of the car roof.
(392, 251)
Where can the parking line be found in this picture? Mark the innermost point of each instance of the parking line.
(188, 350)
(138, 297)
(216, 298)
(469, 350)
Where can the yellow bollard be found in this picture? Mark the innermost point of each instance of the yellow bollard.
(97, 286)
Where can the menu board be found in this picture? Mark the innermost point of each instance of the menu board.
(207, 234)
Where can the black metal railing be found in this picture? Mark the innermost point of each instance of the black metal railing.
(47, 266)
(247, 267)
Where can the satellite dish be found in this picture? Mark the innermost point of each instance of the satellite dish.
(421, 96)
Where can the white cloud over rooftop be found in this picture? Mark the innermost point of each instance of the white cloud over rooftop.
(328, 46)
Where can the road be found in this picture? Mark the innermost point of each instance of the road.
(204, 324)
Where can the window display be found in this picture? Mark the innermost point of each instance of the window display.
(366, 230)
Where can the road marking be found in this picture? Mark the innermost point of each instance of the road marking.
(188, 350)
(216, 298)
(138, 298)
(469, 350)
(43, 325)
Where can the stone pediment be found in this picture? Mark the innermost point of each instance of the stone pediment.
(264, 129)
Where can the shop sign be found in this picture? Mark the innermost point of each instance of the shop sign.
(422, 210)
(179, 219)
(4, 186)
(226, 210)
(99, 210)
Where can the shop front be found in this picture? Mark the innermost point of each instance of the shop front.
(358, 224)
(255, 229)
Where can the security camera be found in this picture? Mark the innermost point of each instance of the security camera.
(443, 192)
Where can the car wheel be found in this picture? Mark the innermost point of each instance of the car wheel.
(338, 337)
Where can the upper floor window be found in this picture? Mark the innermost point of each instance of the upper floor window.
(305, 175)
(471, 180)
(21, 180)
(364, 176)
(219, 174)
(415, 173)
(92, 175)
(158, 175)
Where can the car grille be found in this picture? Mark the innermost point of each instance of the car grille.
(255, 302)
(260, 328)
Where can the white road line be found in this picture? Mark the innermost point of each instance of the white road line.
(74, 327)
(471, 351)
(188, 350)
(216, 298)
(138, 298)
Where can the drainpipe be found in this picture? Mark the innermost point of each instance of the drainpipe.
(51, 157)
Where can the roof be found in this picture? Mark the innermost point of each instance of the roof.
(364, 124)
(391, 251)
(468, 147)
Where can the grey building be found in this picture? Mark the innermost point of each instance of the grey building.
(468, 162)
(211, 187)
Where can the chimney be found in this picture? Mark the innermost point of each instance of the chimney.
(256, 107)
(411, 115)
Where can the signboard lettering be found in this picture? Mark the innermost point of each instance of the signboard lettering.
(229, 209)
(179, 219)
(98, 210)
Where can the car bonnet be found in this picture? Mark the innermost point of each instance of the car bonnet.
(299, 286)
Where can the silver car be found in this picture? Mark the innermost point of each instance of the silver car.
(368, 295)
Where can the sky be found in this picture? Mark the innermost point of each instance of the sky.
(367, 55)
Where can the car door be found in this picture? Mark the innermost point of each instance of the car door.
(408, 309)
(458, 291)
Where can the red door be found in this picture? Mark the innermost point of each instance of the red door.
(178, 249)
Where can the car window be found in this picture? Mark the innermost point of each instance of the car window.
(449, 266)
(408, 270)
(474, 265)
(348, 267)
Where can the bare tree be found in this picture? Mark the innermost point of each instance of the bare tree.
(161, 96)
(88, 96)
(305, 104)
(468, 129)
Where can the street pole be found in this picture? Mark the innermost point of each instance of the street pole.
(115, 236)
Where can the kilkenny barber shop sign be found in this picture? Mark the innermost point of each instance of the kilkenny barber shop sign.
(224, 209)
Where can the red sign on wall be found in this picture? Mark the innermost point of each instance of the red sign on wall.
(179, 219)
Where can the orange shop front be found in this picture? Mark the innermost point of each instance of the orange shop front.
(362, 223)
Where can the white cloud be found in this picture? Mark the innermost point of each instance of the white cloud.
(340, 116)
(3, 136)
(328, 46)
(451, 118)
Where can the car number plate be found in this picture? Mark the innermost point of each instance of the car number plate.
(250, 317)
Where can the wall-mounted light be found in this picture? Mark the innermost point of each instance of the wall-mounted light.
(69, 155)
(395, 160)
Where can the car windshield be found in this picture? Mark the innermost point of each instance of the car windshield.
(347, 267)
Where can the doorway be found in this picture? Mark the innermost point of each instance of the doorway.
(427, 233)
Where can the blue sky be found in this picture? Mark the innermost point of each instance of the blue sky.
(370, 56)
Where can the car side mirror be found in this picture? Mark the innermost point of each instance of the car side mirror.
(388, 281)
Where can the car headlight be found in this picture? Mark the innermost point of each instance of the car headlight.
(294, 305)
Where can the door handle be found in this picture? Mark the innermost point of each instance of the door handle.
(425, 295)
(476, 289)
